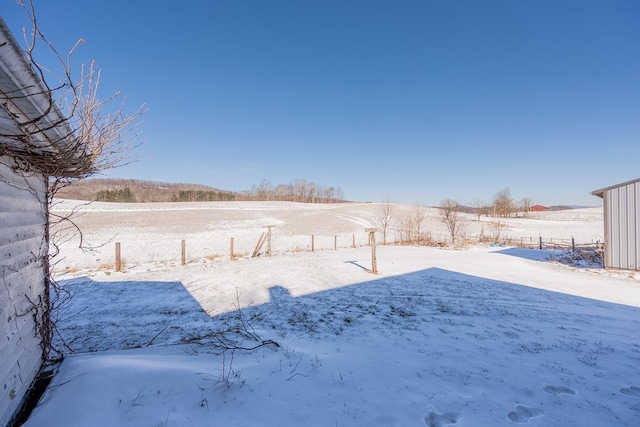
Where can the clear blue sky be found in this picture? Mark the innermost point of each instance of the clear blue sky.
(406, 101)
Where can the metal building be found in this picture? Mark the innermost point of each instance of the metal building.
(621, 225)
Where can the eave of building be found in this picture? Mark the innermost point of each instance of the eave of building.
(600, 192)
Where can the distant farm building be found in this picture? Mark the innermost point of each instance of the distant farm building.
(34, 138)
(538, 208)
(621, 225)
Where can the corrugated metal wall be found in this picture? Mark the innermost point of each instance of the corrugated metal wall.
(622, 226)
(22, 246)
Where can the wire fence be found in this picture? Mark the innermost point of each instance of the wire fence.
(185, 251)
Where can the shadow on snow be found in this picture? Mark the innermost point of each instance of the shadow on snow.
(589, 258)
(122, 315)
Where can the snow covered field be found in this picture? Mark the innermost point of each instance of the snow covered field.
(479, 336)
(152, 232)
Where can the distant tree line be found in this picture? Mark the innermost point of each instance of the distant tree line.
(141, 191)
(298, 190)
(133, 190)
(121, 195)
(202, 196)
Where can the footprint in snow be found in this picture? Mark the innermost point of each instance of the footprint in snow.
(558, 390)
(632, 391)
(435, 419)
(522, 414)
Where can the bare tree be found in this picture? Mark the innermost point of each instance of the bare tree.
(450, 216)
(418, 217)
(503, 203)
(329, 194)
(526, 205)
(299, 190)
(281, 192)
(479, 207)
(265, 190)
(384, 217)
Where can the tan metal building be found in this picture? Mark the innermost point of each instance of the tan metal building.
(621, 225)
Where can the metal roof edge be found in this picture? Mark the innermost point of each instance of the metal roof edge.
(600, 192)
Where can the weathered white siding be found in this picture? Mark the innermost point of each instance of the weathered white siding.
(622, 225)
(22, 247)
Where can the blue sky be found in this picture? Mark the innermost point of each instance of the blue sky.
(405, 101)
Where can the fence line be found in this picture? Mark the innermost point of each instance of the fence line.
(338, 241)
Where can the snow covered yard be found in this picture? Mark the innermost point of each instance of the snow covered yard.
(475, 337)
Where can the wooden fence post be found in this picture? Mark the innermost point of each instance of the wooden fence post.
(118, 257)
(183, 254)
(269, 227)
(312, 243)
(372, 242)
(353, 238)
(540, 242)
(231, 249)
(335, 242)
(256, 251)
(573, 244)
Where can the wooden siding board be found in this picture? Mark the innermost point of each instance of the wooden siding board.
(24, 358)
(20, 254)
(22, 247)
(11, 220)
(20, 288)
(20, 301)
(24, 342)
(21, 232)
(17, 383)
(14, 194)
(20, 205)
(16, 327)
(24, 186)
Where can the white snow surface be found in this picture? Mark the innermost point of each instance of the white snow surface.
(474, 336)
